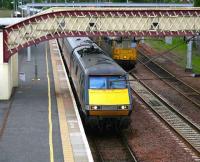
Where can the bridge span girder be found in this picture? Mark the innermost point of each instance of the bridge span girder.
(134, 22)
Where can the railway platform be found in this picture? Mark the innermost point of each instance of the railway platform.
(41, 122)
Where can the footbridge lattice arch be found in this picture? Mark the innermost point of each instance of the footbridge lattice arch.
(134, 22)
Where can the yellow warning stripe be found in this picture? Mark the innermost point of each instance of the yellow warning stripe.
(66, 145)
(49, 110)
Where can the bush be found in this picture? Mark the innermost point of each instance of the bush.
(197, 3)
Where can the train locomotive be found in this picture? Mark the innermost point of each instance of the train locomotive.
(123, 51)
(101, 84)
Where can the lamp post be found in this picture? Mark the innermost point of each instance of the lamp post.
(16, 5)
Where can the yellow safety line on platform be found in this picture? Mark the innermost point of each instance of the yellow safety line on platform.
(65, 139)
(49, 110)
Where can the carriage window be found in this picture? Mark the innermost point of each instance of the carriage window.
(98, 82)
(117, 82)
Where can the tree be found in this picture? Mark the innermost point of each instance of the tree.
(197, 3)
(7, 4)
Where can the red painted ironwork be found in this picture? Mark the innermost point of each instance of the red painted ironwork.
(111, 13)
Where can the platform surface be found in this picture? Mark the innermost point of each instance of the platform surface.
(76, 147)
(30, 128)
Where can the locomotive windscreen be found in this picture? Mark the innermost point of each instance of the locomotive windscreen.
(111, 82)
(117, 82)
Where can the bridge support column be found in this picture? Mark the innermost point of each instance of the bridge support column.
(168, 40)
(189, 56)
(142, 41)
(28, 54)
(8, 73)
(15, 73)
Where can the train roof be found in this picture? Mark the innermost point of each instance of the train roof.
(100, 64)
(92, 58)
(77, 41)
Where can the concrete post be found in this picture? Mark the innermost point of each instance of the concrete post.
(99, 41)
(168, 40)
(142, 41)
(28, 54)
(15, 73)
(28, 11)
(189, 56)
(133, 43)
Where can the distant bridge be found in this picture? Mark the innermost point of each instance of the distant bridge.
(108, 4)
(133, 22)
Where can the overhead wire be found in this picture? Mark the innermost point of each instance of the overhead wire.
(161, 54)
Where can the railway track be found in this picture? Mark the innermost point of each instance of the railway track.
(186, 129)
(184, 89)
(110, 147)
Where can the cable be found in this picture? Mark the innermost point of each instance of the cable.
(169, 50)
(185, 40)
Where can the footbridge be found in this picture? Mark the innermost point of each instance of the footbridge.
(90, 21)
(134, 22)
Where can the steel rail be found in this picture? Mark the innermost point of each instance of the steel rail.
(100, 156)
(124, 140)
(186, 129)
(120, 138)
(184, 89)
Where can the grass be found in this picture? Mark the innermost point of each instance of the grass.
(5, 13)
(180, 50)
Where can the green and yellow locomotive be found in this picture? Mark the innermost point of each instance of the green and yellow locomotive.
(123, 51)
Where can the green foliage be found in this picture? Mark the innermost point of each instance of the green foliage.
(6, 4)
(118, 0)
(180, 51)
(197, 3)
(155, 1)
(38, 1)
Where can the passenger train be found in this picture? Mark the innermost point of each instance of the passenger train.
(101, 84)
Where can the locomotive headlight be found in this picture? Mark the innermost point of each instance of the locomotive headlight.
(95, 107)
(123, 107)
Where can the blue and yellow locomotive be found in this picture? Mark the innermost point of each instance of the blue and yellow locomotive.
(101, 84)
